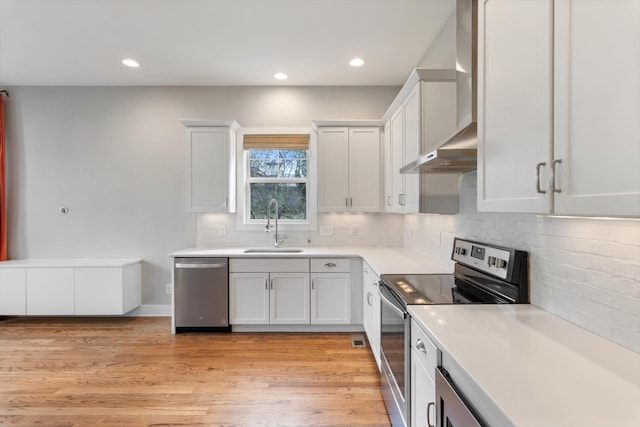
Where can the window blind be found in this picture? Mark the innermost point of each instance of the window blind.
(276, 141)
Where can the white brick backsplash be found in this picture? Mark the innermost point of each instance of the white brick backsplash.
(586, 270)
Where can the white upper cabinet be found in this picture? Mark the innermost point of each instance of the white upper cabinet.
(514, 104)
(211, 165)
(559, 101)
(423, 114)
(349, 169)
(597, 107)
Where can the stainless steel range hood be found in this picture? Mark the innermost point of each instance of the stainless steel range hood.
(458, 153)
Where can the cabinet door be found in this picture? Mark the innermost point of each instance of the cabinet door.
(364, 169)
(98, 291)
(248, 298)
(388, 169)
(289, 300)
(597, 107)
(331, 298)
(412, 120)
(514, 105)
(13, 292)
(423, 394)
(333, 169)
(50, 291)
(397, 158)
(371, 307)
(210, 166)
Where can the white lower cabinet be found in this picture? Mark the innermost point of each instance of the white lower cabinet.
(424, 360)
(50, 291)
(423, 394)
(13, 292)
(289, 291)
(371, 309)
(249, 298)
(331, 298)
(289, 299)
(69, 287)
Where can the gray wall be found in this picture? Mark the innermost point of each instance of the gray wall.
(115, 156)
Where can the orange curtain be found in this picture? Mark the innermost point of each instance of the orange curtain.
(3, 196)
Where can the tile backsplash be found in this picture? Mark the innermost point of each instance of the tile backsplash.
(219, 230)
(584, 270)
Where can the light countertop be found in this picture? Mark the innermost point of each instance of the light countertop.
(538, 369)
(47, 263)
(394, 260)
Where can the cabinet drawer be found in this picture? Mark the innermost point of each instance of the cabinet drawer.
(425, 349)
(331, 265)
(278, 265)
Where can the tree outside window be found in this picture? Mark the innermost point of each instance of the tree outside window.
(279, 174)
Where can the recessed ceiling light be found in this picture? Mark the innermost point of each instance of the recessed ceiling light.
(281, 76)
(130, 63)
(356, 62)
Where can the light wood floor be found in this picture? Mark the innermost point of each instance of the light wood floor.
(133, 372)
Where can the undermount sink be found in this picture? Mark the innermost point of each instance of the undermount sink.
(272, 250)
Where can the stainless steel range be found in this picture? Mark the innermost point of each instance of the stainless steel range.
(483, 274)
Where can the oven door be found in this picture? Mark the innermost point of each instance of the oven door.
(451, 409)
(395, 326)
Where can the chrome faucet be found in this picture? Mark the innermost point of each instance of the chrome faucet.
(277, 241)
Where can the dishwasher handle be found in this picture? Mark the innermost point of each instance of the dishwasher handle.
(194, 265)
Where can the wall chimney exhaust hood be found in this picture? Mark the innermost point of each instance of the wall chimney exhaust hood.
(458, 153)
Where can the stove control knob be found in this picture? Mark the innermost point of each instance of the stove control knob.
(501, 263)
(461, 251)
(491, 261)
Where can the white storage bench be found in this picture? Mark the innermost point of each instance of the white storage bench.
(84, 287)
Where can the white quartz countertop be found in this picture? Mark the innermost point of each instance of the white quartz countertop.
(98, 262)
(382, 260)
(537, 368)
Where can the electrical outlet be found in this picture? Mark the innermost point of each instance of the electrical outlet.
(326, 230)
(222, 230)
(353, 231)
(169, 289)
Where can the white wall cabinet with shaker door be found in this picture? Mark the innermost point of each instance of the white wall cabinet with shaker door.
(331, 291)
(423, 113)
(349, 169)
(371, 309)
(557, 119)
(269, 291)
(211, 179)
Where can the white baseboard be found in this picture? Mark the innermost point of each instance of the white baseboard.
(297, 328)
(151, 310)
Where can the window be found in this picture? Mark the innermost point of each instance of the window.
(279, 174)
(277, 165)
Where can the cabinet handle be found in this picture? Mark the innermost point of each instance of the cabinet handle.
(388, 200)
(330, 265)
(429, 406)
(350, 201)
(420, 346)
(313, 283)
(226, 202)
(375, 283)
(538, 189)
(271, 283)
(369, 295)
(346, 202)
(553, 176)
(266, 283)
(401, 199)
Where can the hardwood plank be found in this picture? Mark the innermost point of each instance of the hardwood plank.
(133, 372)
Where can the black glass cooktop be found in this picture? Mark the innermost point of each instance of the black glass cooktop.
(422, 288)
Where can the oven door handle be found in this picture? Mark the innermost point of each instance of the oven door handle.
(395, 308)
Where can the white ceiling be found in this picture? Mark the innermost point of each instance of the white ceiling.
(215, 42)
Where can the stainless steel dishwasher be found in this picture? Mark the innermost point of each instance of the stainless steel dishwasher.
(201, 299)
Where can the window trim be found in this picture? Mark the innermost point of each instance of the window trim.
(242, 178)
